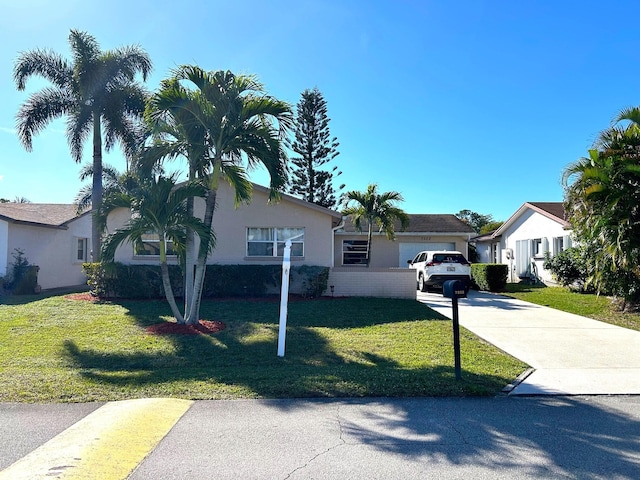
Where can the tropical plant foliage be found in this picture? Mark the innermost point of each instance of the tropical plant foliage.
(602, 195)
(224, 125)
(371, 208)
(96, 92)
(569, 267)
(316, 148)
(158, 207)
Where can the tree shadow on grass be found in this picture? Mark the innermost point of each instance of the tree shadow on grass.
(244, 356)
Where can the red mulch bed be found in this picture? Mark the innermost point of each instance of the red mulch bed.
(205, 327)
(85, 297)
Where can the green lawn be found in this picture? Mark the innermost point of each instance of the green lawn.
(61, 350)
(588, 305)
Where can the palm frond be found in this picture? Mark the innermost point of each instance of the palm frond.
(39, 110)
(44, 63)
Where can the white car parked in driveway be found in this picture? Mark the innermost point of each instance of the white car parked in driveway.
(435, 268)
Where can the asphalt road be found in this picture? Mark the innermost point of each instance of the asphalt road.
(596, 437)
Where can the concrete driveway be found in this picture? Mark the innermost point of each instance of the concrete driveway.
(570, 354)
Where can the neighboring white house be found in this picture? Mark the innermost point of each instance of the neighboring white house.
(52, 236)
(521, 242)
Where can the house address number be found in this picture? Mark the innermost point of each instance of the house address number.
(425, 238)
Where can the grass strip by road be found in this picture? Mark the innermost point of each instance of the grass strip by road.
(597, 307)
(54, 349)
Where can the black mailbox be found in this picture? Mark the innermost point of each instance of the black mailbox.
(455, 289)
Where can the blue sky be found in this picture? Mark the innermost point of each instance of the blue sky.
(458, 105)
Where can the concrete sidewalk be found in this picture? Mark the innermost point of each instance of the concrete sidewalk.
(571, 355)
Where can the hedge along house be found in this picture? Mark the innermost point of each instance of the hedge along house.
(522, 241)
(251, 234)
(388, 274)
(52, 236)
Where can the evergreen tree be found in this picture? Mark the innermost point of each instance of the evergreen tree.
(316, 147)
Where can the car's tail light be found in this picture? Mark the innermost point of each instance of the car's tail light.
(433, 264)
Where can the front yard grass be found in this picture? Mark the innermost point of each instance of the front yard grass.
(593, 306)
(54, 349)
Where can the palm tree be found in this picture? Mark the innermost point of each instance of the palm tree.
(240, 127)
(371, 207)
(96, 92)
(158, 207)
(177, 131)
(112, 182)
(602, 198)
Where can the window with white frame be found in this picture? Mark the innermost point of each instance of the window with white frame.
(150, 246)
(81, 250)
(354, 252)
(270, 241)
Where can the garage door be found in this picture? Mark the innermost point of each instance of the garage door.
(409, 250)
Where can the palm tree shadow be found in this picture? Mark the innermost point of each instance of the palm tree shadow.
(574, 437)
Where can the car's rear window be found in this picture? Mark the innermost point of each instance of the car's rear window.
(448, 258)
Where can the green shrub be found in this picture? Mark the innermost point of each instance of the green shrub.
(491, 277)
(313, 280)
(24, 277)
(116, 280)
(568, 267)
(240, 280)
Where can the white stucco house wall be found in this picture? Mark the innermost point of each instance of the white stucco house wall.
(521, 242)
(52, 236)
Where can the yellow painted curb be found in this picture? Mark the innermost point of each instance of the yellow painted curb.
(105, 445)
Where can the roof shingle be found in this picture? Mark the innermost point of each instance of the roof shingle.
(45, 214)
(423, 223)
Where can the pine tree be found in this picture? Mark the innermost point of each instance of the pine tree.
(316, 147)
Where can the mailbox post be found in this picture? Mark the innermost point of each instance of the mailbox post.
(455, 289)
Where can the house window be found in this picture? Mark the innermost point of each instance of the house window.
(354, 252)
(558, 245)
(536, 247)
(269, 241)
(150, 246)
(539, 246)
(82, 250)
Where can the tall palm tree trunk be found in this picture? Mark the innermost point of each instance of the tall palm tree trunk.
(190, 261)
(96, 190)
(166, 283)
(193, 316)
(369, 235)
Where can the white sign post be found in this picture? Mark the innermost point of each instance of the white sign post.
(284, 297)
